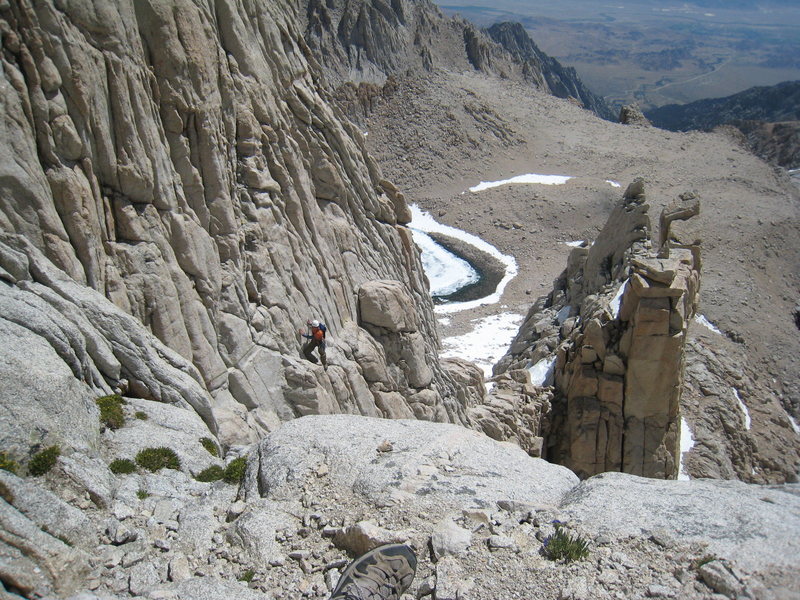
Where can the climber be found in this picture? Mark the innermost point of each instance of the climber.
(383, 573)
(316, 339)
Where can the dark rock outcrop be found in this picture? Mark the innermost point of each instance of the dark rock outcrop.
(765, 103)
(767, 116)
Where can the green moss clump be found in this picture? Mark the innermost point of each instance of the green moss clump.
(141, 415)
(234, 472)
(43, 461)
(141, 495)
(122, 466)
(563, 546)
(209, 445)
(7, 463)
(212, 473)
(155, 459)
(111, 414)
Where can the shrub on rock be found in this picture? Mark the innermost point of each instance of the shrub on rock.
(234, 472)
(212, 473)
(111, 414)
(43, 461)
(564, 546)
(155, 459)
(209, 445)
(122, 466)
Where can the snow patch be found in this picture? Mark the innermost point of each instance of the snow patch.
(444, 321)
(542, 371)
(425, 223)
(563, 315)
(614, 183)
(575, 244)
(527, 178)
(614, 305)
(746, 412)
(447, 273)
(794, 424)
(486, 343)
(687, 443)
(701, 320)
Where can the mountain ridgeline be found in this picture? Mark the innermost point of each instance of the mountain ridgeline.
(768, 116)
(366, 42)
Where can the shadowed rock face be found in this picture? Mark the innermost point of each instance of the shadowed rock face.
(183, 163)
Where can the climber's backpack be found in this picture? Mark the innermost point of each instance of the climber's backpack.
(319, 332)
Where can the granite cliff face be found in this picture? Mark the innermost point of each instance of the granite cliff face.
(182, 161)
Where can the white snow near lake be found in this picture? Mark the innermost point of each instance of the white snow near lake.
(425, 223)
(746, 412)
(444, 321)
(527, 178)
(486, 343)
(447, 273)
(687, 443)
(701, 320)
(795, 426)
(542, 371)
(614, 305)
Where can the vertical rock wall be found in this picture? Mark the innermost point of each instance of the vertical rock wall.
(181, 159)
(617, 324)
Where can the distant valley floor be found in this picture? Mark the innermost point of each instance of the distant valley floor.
(656, 56)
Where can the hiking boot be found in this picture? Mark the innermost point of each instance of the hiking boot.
(381, 574)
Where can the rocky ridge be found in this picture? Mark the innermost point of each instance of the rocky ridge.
(766, 116)
(368, 43)
(611, 338)
(749, 296)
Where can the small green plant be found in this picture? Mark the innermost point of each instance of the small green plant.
(155, 459)
(111, 414)
(141, 415)
(564, 546)
(6, 494)
(7, 463)
(122, 466)
(234, 472)
(212, 473)
(43, 461)
(247, 576)
(141, 495)
(209, 445)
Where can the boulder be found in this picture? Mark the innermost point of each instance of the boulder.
(753, 526)
(431, 464)
(386, 304)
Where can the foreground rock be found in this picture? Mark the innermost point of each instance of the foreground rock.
(322, 489)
